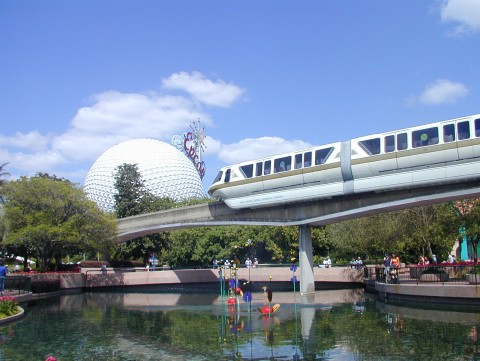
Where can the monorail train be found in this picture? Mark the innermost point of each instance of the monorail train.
(436, 153)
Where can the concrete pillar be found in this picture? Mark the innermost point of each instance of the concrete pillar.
(307, 280)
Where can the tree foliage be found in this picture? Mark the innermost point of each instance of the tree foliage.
(133, 198)
(50, 218)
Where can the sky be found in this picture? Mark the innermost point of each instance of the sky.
(263, 77)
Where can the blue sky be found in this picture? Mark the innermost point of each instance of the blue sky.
(263, 77)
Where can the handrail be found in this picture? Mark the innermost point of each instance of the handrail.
(441, 273)
(18, 284)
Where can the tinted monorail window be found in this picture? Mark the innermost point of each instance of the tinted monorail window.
(477, 127)
(424, 137)
(282, 164)
(247, 170)
(227, 176)
(371, 146)
(259, 169)
(448, 133)
(389, 143)
(463, 130)
(321, 155)
(298, 161)
(218, 177)
(402, 142)
(307, 159)
(267, 168)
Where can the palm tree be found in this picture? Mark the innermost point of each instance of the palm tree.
(3, 173)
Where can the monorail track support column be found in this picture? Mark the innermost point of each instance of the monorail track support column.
(307, 279)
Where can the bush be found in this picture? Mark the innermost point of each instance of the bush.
(434, 271)
(125, 264)
(42, 285)
(475, 270)
(93, 264)
(8, 306)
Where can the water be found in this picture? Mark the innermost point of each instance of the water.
(332, 325)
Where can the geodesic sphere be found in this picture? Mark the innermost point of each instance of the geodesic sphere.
(166, 172)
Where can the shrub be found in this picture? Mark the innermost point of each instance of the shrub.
(8, 306)
(125, 263)
(434, 271)
(42, 285)
(475, 270)
(93, 264)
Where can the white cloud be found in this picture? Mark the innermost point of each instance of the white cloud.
(443, 91)
(204, 90)
(464, 12)
(32, 140)
(112, 118)
(115, 117)
(250, 148)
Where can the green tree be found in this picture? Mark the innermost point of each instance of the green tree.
(428, 228)
(50, 218)
(130, 191)
(3, 173)
(3, 228)
(133, 198)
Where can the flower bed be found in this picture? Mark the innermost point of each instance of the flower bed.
(8, 307)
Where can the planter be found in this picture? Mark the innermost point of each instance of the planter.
(472, 279)
(416, 272)
(434, 277)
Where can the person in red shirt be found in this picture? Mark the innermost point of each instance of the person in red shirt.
(394, 268)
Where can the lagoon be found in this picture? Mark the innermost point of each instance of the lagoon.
(329, 325)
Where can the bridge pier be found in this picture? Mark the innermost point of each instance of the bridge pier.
(307, 279)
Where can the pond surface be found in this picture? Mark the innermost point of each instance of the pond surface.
(331, 325)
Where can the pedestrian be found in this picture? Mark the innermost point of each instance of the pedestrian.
(215, 263)
(104, 269)
(358, 263)
(394, 268)
(3, 274)
(434, 259)
(386, 264)
(255, 263)
(248, 262)
(327, 262)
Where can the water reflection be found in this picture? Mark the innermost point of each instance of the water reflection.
(329, 325)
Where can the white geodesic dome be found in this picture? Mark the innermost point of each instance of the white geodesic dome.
(165, 170)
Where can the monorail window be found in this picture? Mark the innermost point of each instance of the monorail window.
(424, 137)
(282, 164)
(389, 143)
(402, 141)
(298, 161)
(218, 177)
(477, 127)
(321, 155)
(371, 146)
(448, 133)
(247, 170)
(268, 167)
(307, 159)
(227, 176)
(259, 169)
(463, 130)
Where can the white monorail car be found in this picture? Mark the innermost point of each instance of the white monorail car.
(436, 153)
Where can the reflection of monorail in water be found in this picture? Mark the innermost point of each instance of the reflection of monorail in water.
(436, 153)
